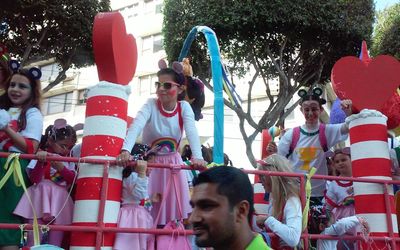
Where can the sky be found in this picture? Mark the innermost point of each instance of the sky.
(382, 4)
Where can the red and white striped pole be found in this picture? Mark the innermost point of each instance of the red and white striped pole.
(370, 159)
(104, 132)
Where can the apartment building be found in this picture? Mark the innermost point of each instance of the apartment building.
(143, 19)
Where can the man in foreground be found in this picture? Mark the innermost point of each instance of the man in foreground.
(222, 204)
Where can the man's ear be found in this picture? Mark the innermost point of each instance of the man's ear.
(243, 209)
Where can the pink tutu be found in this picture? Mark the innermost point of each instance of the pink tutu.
(134, 216)
(48, 199)
(158, 183)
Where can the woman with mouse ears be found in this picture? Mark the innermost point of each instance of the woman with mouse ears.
(163, 120)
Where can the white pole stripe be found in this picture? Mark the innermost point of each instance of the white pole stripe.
(368, 121)
(105, 125)
(363, 188)
(369, 149)
(261, 208)
(88, 210)
(87, 170)
(377, 222)
(105, 88)
(258, 188)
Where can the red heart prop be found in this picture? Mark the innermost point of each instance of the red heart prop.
(368, 85)
(115, 51)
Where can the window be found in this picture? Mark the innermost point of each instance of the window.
(130, 11)
(159, 8)
(49, 72)
(82, 96)
(57, 104)
(158, 43)
(147, 45)
(147, 84)
(152, 44)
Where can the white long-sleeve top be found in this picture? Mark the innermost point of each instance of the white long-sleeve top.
(158, 125)
(289, 229)
(341, 227)
(134, 189)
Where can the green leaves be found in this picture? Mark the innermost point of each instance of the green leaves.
(386, 39)
(60, 29)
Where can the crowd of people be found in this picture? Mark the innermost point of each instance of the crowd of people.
(220, 209)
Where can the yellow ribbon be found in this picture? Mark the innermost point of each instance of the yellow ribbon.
(12, 166)
(308, 196)
(213, 164)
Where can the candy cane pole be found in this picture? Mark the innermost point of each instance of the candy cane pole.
(370, 159)
(104, 133)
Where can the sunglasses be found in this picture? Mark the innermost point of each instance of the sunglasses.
(166, 85)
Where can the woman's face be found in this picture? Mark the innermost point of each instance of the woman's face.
(167, 89)
(20, 90)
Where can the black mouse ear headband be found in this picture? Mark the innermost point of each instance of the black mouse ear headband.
(314, 94)
(34, 73)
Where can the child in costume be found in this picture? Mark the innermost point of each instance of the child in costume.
(163, 121)
(52, 180)
(339, 228)
(21, 125)
(136, 205)
(285, 215)
(339, 197)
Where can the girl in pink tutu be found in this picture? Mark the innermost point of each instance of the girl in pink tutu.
(163, 121)
(136, 205)
(51, 181)
(339, 198)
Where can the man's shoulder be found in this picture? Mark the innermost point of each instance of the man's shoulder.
(258, 243)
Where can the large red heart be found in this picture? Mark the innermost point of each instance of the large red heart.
(368, 85)
(115, 51)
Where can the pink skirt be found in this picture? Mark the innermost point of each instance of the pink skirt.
(138, 217)
(158, 183)
(343, 211)
(48, 199)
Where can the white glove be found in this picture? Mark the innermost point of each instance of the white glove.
(5, 118)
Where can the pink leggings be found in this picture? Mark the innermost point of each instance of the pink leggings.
(55, 237)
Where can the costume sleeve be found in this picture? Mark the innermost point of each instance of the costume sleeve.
(342, 226)
(284, 143)
(34, 125)
(137, 186)
(334, 134)
(291, 231)
(68, 175)
(191, 130)
(331, 200)
(137, 125)
(35, 171)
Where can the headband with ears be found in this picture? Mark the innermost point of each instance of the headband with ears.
(315, 95)
(34, 73)
(176, 66)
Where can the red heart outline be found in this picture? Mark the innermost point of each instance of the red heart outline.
(368, 85)
(115, 51)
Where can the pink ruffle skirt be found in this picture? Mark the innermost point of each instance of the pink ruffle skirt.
(134, 216)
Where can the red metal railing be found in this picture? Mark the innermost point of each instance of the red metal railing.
(101, 228)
